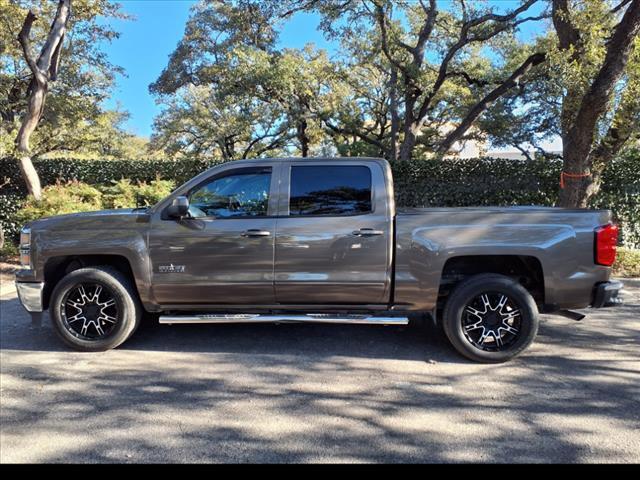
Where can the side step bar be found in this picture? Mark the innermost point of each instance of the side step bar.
(310, 318)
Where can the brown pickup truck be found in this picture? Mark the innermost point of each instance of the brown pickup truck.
(315, 240)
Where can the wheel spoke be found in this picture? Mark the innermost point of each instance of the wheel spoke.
(96, 294)
(501, 303)
(98, 328)
(85, 327)
(474, 326)
(83, 295)
(486, 302)
(108, 303)
(512, 315)
(497, 338)
(483, 337)
(107, 318)
(474, 312)
(77, 306)
(508, 328)
(76, 317)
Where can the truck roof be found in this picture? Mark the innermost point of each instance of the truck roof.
(310, 159)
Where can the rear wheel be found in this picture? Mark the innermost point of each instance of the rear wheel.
(490, 318)
(95, 309)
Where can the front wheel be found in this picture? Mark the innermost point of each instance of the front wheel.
(490, 318)
(94, 309)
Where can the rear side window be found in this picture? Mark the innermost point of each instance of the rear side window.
(330, 190)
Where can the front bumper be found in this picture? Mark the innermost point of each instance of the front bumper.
(607, 294)
(30, 295)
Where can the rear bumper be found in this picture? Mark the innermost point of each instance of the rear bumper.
(607, 294)
(30, 295)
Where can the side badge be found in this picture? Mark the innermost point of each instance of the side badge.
(171, 268)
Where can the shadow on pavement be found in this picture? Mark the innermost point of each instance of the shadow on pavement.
(299, 393)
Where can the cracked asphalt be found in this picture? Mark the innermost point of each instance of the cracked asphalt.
(321, 393)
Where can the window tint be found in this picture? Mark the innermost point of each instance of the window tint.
(330, 190)
(241, 194)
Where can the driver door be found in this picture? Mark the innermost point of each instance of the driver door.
(223, 252)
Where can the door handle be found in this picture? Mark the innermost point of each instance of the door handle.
(255, 233)
(367, 232)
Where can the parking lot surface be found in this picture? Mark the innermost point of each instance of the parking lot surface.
(321, 393)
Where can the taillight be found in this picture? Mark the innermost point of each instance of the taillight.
(606, 241)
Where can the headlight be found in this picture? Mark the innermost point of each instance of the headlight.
(25, 247)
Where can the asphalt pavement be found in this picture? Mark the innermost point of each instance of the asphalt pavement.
(321, 393)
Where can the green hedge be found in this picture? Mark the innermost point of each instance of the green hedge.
(483, 181)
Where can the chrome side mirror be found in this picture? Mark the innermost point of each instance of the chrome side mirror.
(179, 208)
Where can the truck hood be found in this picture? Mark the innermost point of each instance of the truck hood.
(97, 220)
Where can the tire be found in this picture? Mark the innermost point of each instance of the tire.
(79, 311)
(489, 336)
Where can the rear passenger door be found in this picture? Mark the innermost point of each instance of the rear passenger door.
(334, 234)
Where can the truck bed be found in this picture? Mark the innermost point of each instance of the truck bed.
(561, 240)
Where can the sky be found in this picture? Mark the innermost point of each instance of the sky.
(147, 40)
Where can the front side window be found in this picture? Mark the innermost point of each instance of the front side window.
(330, 190)
(240, 194)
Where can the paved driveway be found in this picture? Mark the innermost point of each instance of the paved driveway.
(305, 393)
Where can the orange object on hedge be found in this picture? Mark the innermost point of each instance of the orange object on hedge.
(571, 175)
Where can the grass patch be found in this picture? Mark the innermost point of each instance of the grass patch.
(9, 252)
(627, 263)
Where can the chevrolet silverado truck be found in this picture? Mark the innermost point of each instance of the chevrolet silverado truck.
(315, 240)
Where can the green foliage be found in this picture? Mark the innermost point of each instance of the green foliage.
(10, 205)
(59, 199)
(96, 172)
(627, 263)
(8, 251)
(74, 119)
(124, 193)
(620, 191)
(419, 183)
(74, 196)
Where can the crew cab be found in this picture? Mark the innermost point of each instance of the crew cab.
(315, 240)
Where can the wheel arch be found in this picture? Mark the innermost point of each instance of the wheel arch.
(56, 268)
(526, 269)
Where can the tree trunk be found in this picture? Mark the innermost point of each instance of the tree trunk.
(44, 70)
(409, 142)
(577, 182)
(303, 138)
(395, 116)
(30, 176)
(29, 124)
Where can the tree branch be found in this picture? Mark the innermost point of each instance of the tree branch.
(568, 35)
(382, 23)
(620, 6)
(345, 131)
(54, 39)
(492, 96)
(470, 80)
(595, 102)
(465, 39)
(23, 38)
(55, 61)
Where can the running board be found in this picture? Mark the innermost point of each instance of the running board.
(310, 318)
